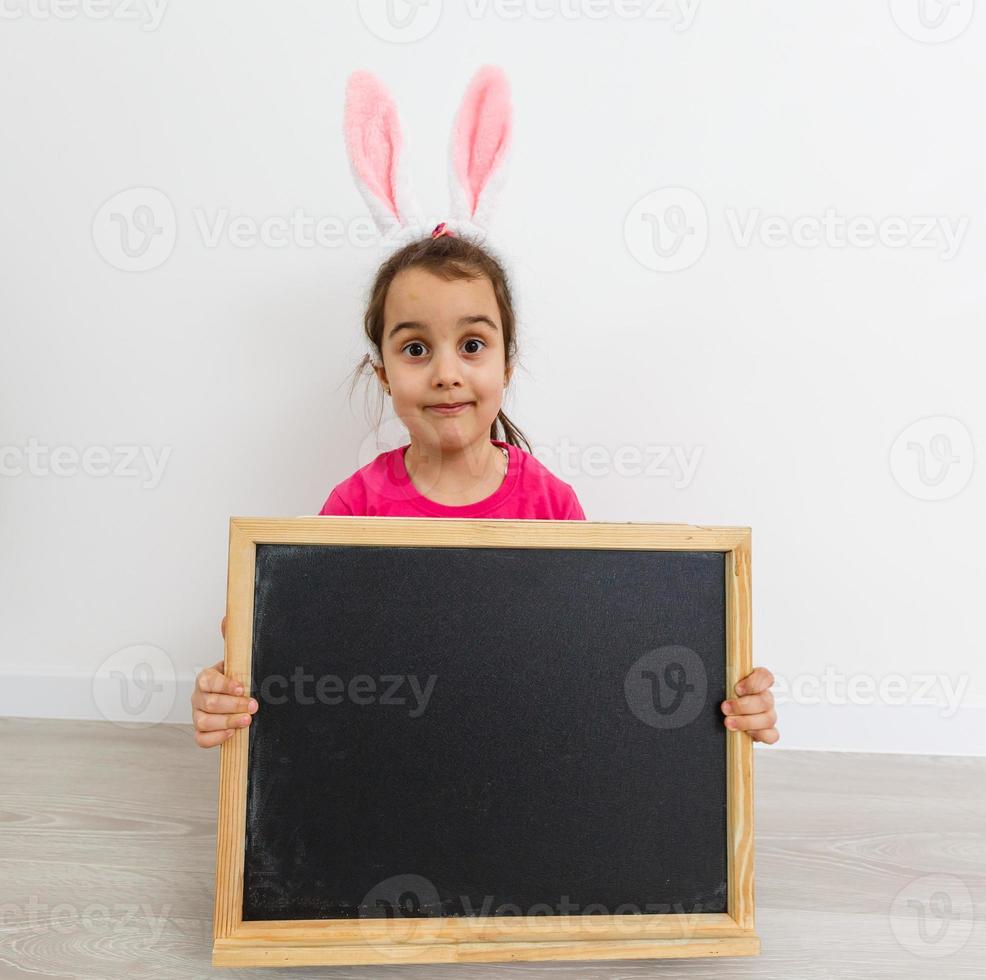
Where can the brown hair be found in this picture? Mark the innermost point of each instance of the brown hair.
(450, 258)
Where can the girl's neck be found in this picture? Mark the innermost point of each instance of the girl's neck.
(458, 478)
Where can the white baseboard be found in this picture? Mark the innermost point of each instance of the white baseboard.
(85, 697)
(908, 729)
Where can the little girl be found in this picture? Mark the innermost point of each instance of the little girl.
(441, 322)
(441, 328)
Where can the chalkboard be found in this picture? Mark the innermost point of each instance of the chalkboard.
(466, 723)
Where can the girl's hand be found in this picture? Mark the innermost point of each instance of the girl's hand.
(753, 712)
(218, 708)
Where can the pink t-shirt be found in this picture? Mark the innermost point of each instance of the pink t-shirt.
(383, 488)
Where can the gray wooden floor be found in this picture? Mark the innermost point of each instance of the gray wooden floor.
(868, 866)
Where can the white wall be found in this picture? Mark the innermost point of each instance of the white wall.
(784, 373)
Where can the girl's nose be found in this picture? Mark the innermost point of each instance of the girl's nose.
(446, 373)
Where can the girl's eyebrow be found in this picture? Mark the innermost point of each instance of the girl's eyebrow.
(463, 321)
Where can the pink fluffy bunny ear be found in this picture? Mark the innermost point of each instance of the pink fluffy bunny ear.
(479, 148)
(375, 146)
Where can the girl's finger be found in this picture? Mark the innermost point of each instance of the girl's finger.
(768, 736)
(749, 704)
(759, 679)
(214, 680)
(751, 722)
(207, 740)
(204, 721)
(223, 704)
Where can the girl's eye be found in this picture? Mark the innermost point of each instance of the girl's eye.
(417, 343)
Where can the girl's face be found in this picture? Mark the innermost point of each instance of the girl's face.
(443, 343)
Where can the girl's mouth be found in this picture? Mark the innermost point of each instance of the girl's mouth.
(450, 409)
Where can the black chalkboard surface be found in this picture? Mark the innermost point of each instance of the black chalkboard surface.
(463, 732)
(486, 743)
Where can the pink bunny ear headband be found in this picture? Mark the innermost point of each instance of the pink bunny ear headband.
(478, 152)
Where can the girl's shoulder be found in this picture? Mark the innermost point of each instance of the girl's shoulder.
(534, 473)
(350, 496)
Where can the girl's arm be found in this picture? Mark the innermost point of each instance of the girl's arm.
(335, 506)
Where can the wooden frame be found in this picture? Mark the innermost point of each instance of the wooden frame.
(311, 942)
